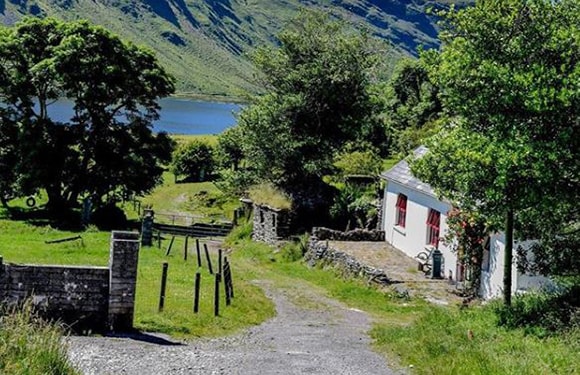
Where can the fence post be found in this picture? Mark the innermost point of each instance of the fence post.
(230, 280)
(159, 239)
(163, 285)
(198, 251)
(216, 300)
(209, 265)
(220, 254)
(170, 245)
(226, 282)
(147, 228)
(185, 248)
(196, 292)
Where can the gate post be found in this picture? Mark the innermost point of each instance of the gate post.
(147, 228)
(124, 255)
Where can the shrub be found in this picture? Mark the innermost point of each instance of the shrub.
(193, 161)
(542, 313)
(109, 217)
(295, 250)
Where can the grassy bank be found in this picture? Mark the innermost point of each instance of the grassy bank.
(30, 346)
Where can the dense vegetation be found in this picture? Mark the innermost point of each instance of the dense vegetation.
(107, 148)
(510, 148)
(204, 43)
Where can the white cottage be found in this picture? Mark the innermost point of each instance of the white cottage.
(414, 220)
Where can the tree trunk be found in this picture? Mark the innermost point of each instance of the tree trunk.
(507, 269)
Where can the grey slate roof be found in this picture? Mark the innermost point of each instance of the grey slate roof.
(401, 173)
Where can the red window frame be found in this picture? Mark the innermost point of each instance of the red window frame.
(401, 210)
(433, 226)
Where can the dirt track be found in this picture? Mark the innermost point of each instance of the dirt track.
(325, 337)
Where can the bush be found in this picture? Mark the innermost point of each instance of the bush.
(295, 250)
(542, 313)
(193, 161)
(29, 345)
(109, 217)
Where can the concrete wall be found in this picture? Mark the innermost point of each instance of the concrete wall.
(492, 276)
(270, 225)
(412, 239)
(98, 298)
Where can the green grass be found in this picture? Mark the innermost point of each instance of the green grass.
(24, 243)
(201, 199)
(29, 345)
(412, 332)
(438, 343)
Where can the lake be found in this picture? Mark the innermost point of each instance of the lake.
(178, 116)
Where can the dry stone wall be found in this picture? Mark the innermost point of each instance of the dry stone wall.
(98, 298)
(354, 235)
(321, 252)
(270, 225)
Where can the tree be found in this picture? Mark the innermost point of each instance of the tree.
(317, 98)
(193, 161)
(412, 105)
(229, 153)
(508, 72)
(108, 146)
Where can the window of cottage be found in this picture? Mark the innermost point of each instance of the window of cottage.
(433, 223)
(401, 208)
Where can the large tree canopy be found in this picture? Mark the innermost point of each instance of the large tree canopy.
(317, 99)
(108, 145)
(508, 70)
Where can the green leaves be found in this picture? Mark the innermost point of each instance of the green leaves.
(108, 145)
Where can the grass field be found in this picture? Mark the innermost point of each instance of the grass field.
(408, 331)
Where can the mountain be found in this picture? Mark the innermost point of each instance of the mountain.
(204, 43)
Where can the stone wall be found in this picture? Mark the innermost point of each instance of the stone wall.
(76, 295)
(354, 235)
(321, 252)
(270, 225)
(98, 298)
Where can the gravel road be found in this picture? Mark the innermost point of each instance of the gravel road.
(325, 337)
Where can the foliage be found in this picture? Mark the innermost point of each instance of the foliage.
(354, 207)
(466, 235)
(543, 313)
(193, 161)
(294, 250)
(507, 71)
(108, 145)
(229, 153)
(317, 99)
(358, 162)
(30, 345)
(412, 105)
(269, 195)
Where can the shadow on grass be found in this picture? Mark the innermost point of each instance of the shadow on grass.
(66, 220)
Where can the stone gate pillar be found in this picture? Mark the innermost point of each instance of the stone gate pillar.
(147, 228)
(124, 255)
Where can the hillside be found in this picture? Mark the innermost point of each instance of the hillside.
(204, 43)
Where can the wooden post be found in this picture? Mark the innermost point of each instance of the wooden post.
(226, 282)
(170, 245)
(185, 248)
(163, 285)
(220, 255)
(230, 281)
(216, 300)
(208, 258)
(198, 251)
(159, 239)
(196, 292)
